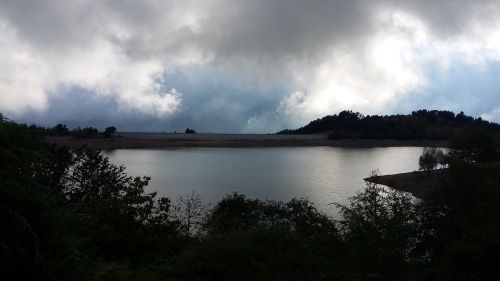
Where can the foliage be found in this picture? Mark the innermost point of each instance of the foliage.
(460, 226)
(60, 129)
(66, 215)
(430, 159)
(190, 212)
(419, 125)
(190, 131)
(237, 213)
(73, 215)
(87, 132)
(379, 227)
(475, 146)
(109, 131)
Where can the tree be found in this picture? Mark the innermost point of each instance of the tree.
(190, 212)
(88, 132)
(190, 131)
(419, 125)
(109, 131)
(60, 129)
(430, 159)
(379, 228)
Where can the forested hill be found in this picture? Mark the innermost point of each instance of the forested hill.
(419, 125)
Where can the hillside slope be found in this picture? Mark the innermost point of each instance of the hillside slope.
(419, 125)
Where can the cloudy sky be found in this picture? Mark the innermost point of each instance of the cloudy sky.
(244, 66)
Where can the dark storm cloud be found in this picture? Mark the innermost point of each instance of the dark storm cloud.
(213, 105)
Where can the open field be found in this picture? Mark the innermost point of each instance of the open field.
(166, 140)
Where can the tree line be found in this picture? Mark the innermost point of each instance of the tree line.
(73, 215)
(86, 132)
(419, 125)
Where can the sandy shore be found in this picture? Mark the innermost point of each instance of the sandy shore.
(164, 140)
(419, 183)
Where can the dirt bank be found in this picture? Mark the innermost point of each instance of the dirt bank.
(163, 140)
(419, 183)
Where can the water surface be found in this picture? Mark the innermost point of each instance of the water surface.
(321, 174)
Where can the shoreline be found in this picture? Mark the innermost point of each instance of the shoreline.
(168, 140)
(418, 183)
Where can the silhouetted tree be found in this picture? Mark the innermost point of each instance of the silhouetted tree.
(379, 228)
(60, 129)
(190, 212)
(430, 159)
(109, 131)
(87, 132)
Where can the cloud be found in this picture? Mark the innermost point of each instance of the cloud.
(52, 46)
(493, 116)
(245, 65)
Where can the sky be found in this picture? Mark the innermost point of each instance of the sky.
(244, 66)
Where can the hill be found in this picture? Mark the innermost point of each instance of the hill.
(419, 125)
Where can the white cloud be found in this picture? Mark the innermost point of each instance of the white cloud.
(364, 78)
(21, 88)
(492, 116)
(34, 67)
(29, 76)
(389, 64)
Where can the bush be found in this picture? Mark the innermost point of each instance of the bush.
(379, 227)
(87, 132)
(60, 129)
(430, 159)
(109, 131)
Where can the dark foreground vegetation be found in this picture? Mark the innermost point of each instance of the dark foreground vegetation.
(419, 125)
(72, 215)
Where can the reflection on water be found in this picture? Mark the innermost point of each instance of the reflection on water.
(322, 174)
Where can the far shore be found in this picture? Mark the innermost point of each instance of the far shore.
(172, 140)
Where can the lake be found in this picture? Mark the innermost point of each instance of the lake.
(322, 174)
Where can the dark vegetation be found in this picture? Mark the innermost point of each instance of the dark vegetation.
(190, 131)
(86, 132)
(419, 125)
(432, 158)
(72, 215)
(109, 131)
